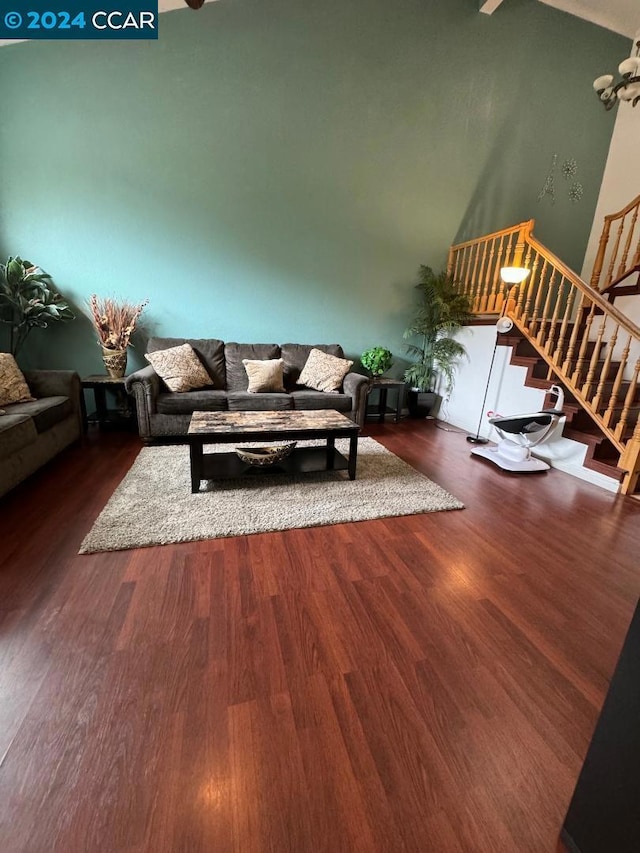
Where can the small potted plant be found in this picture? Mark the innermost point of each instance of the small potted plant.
(440, 312)
(377, 360)
(115, 321)
(28, 300)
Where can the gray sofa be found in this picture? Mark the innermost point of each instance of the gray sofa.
(163, 414)
(33, 433)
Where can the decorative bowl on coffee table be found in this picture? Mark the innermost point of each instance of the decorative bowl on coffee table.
(262, 457)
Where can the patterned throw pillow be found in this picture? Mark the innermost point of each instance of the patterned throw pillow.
(179, 368)
(324, 372)
(13, 385)
(264, 375)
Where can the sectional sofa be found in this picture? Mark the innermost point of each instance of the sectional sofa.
(32, 433)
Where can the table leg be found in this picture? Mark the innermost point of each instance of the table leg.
(382, 404)
(399, 392)
(331, 452)
(353, 455)
(101, 404)
(195, 455)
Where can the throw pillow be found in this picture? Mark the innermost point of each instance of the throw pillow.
(13, 385)
(264, 375)
(324, 372)
(179, 368)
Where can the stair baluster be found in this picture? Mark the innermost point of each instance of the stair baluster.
(466, 271)
(533, 324)
(606, 367)
(555, 317)
(627, 246)
(586, 388)
(575, 334)
(617, 384)
(568, 314)
(531, 285)
(614, 255)
(582, 354)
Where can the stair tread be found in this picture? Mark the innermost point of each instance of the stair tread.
(601, 467)
(586, 436)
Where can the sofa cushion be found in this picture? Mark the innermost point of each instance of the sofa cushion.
(210, 351)
(16, 432)
(307, 399)
(240, 401)
(188, 402)
(13, 386)
(237, 379)
(295, 357)
(45, 413)
(324, 372)
(264, 375)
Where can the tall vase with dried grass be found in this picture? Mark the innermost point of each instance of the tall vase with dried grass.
(115, 321)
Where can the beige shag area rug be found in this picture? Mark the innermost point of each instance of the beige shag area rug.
(154, 505)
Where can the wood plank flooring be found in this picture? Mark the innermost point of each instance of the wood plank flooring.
(425, 684)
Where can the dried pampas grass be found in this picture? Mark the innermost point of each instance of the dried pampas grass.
(114, 320)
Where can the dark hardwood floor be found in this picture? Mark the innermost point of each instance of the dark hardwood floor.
(425, 684)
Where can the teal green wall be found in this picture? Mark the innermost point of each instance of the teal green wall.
(275, 170)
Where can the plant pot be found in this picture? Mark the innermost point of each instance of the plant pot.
(115, 360)
(421, 403)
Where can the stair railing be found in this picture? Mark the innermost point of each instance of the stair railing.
(475, 265)
(587, 342)
(615, 260)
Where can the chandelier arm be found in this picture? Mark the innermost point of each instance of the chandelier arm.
(624, 83)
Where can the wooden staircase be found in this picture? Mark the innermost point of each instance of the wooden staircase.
(568, 332)
(602, 456)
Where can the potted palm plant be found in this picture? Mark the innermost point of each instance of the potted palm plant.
(440, 312)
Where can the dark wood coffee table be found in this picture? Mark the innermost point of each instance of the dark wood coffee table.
(239, 427)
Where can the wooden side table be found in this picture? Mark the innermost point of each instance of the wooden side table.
(382, 386)
(121, 417)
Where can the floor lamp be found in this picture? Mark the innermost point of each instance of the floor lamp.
(512, 276)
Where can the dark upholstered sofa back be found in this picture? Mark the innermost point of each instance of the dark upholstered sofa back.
(237, 379)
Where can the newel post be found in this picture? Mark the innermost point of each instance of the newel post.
(630, 461)
(450, 262)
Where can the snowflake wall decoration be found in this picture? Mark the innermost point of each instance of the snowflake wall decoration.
(576, 191)
(549, 187)
(568, 170)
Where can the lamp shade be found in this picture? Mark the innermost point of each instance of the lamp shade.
(629, 67)
(513, 275)
(602, 82)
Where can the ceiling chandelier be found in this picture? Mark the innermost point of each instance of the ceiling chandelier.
(627, 89)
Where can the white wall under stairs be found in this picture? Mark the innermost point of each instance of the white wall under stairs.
(507, 395)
